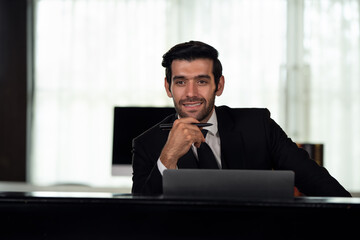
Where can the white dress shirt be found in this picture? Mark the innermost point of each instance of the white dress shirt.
(212, 139)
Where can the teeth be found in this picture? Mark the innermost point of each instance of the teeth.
(192, 105)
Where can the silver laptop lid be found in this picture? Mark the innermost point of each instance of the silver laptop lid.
(228, 184)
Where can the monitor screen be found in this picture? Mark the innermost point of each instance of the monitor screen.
(130, 122)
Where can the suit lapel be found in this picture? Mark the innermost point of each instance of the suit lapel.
(231, 141)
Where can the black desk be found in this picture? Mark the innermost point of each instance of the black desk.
(54, 215)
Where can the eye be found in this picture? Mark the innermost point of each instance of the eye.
(180, 82)
(203, 81)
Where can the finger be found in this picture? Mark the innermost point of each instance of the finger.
(194, 133)
(182, 122)
(198, 143)
(186, 124)
(199, 138)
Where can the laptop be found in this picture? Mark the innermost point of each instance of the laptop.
(228, 184)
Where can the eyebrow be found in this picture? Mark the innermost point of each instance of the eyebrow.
(203, 76)
(196, 77)
(178, 77)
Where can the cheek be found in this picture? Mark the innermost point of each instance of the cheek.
(207, 93)
(176, 93)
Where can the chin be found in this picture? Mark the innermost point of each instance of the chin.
(197, 115)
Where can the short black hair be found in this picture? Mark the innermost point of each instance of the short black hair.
(190, 51)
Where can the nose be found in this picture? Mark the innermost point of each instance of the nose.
(191, 89)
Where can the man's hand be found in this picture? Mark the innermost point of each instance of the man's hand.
(182, 135)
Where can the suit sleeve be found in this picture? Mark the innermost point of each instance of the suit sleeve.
(310, 178)
(147, 179)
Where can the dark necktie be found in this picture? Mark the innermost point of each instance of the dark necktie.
(206, 156)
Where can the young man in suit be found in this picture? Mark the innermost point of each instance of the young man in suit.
(238, 138)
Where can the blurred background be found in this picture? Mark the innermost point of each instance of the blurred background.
(65, 65)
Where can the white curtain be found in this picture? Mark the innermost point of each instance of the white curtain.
(92, 55)
(332, 50)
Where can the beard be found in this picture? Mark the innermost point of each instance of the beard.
(204, 113)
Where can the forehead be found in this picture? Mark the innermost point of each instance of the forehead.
(193, 67)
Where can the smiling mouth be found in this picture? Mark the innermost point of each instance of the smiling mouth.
(192, 104)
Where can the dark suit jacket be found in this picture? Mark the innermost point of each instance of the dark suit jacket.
(250, 139)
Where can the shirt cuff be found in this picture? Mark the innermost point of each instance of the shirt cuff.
(161, 166)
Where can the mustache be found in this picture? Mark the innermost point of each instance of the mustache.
(192, 99)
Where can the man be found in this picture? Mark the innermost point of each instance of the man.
(238, 138)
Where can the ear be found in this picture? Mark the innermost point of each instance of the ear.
(220, 86)
(167, 88)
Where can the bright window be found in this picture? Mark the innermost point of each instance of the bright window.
(92, 55)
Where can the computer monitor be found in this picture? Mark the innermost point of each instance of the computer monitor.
(130, 122)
